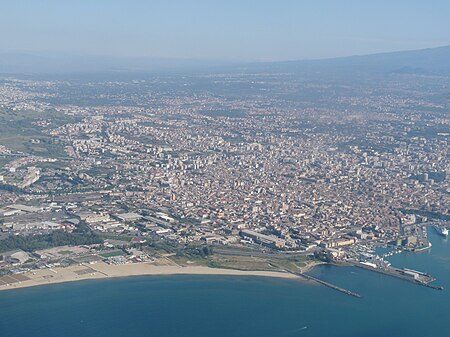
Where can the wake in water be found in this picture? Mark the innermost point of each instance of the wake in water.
(297, 330)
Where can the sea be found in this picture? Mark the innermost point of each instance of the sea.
(228, 306)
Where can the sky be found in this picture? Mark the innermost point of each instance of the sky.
(228, 30)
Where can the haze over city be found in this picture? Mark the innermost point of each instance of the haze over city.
(222, 30)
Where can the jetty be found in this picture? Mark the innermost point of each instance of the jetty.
(327, 284)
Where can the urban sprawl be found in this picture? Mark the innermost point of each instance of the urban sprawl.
(216, 173)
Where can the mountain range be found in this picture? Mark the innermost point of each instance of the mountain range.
(435, 61)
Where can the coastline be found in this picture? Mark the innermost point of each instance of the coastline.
(102, 270)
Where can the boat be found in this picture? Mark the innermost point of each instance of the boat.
(441, 230)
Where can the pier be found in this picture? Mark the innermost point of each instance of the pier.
(327, 284)
(405, 274)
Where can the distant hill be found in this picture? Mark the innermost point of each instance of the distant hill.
(424, 61)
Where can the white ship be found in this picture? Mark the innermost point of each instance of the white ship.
(441, 230)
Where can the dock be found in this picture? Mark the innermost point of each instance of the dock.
(405, 274)
(327, 284)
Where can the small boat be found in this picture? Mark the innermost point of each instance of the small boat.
(441, 230)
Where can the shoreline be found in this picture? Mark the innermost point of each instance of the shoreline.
(102, 270)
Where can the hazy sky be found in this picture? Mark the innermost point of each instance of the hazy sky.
(223, 30)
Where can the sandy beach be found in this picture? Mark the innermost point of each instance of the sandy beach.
(103, 270)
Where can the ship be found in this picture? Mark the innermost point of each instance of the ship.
(441, 230)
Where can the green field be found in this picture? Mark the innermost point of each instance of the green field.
(17, 132)
(112, 254)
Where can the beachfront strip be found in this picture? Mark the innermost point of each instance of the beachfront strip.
(102, 270)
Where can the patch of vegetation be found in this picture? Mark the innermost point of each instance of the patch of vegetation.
(65, 252)
(17, 130)
(5, 160)
(43, 241)
(196, 251)
(216, 264)
(11, 188)
(293, 264)
(112, 254)
(233, 113)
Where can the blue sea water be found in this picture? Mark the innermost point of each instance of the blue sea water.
(203, 306)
